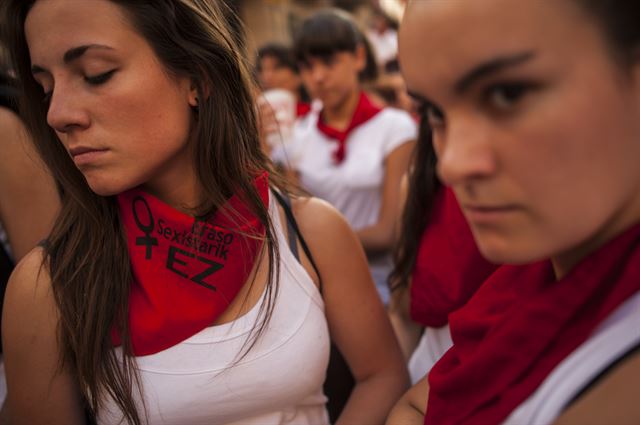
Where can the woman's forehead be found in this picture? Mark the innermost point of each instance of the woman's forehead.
(441, 39)
(54, 26)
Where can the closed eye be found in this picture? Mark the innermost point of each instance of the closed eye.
(100, 79)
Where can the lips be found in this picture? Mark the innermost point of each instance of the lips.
(84, 155)
(485, 214)
(79, 150)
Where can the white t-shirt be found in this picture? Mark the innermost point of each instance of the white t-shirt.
(354, 187)
(279, 381)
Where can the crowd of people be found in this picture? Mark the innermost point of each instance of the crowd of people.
(428, 221)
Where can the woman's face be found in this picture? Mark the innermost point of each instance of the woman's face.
(536, 128)
(123, 119)
(334, 79)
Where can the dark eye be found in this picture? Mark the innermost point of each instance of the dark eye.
(505, 96)
(100, 79)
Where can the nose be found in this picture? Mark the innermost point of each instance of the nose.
(65, 112)
(465, 152)
(318, 72)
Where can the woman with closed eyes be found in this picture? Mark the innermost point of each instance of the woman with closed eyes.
(176, 286)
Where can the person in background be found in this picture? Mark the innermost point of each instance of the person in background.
(175, 286)
(29, 201)
(348, 150)
(383, 36)
(539, 141)
(276, 68)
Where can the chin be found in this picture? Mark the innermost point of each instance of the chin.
(105, 188)
(501, 251)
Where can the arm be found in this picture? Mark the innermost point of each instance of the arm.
(357, 321)
(411, 408)
(407, 331)
(40, 390)
(613, 400)
(29, 201)
(380, 236)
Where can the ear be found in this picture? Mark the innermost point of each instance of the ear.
(361, 57)
(194, 97)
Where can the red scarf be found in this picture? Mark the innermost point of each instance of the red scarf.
(302, 109)
(520, 325)
(186, 272)
(449, 268)
(365, 110)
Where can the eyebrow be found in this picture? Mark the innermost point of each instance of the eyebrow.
(71, 55)
(487, 68)
(481, 71)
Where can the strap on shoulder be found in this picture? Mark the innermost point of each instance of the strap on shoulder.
(294, 233)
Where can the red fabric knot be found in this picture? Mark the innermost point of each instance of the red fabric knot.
(365, 110)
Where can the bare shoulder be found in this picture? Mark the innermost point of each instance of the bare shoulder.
(28, 295)
(9, 120)
(30, 274)
(12, 128)
(328, 236)
(319, 220)
(612, 400)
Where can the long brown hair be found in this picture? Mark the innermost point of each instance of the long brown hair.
(86, 253)
(422, 186)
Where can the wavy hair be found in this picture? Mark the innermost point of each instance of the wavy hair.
(86, 253)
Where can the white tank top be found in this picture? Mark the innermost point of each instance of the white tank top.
(618, 334)
(279, 381)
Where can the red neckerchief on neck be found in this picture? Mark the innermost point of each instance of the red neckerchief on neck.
(302, 109)
(449, 268)
(365, 110)
(186, 272)
(520, 325)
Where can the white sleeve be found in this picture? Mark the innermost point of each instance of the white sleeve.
(401, 129)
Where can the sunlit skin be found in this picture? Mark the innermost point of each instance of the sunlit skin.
(123, 118)
(334, 80)
(538, 132)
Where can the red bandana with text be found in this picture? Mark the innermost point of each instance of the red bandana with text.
(449, 268)
(186, 271)
(520, 325)
(365, 110)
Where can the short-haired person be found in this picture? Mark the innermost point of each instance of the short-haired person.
(535, 112)
(172, 288)
(349, 151)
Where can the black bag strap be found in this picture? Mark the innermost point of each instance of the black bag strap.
(294, 234)
(339, 382)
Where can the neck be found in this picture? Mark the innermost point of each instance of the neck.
(177, 187)
(339, 116)
(619, 223)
